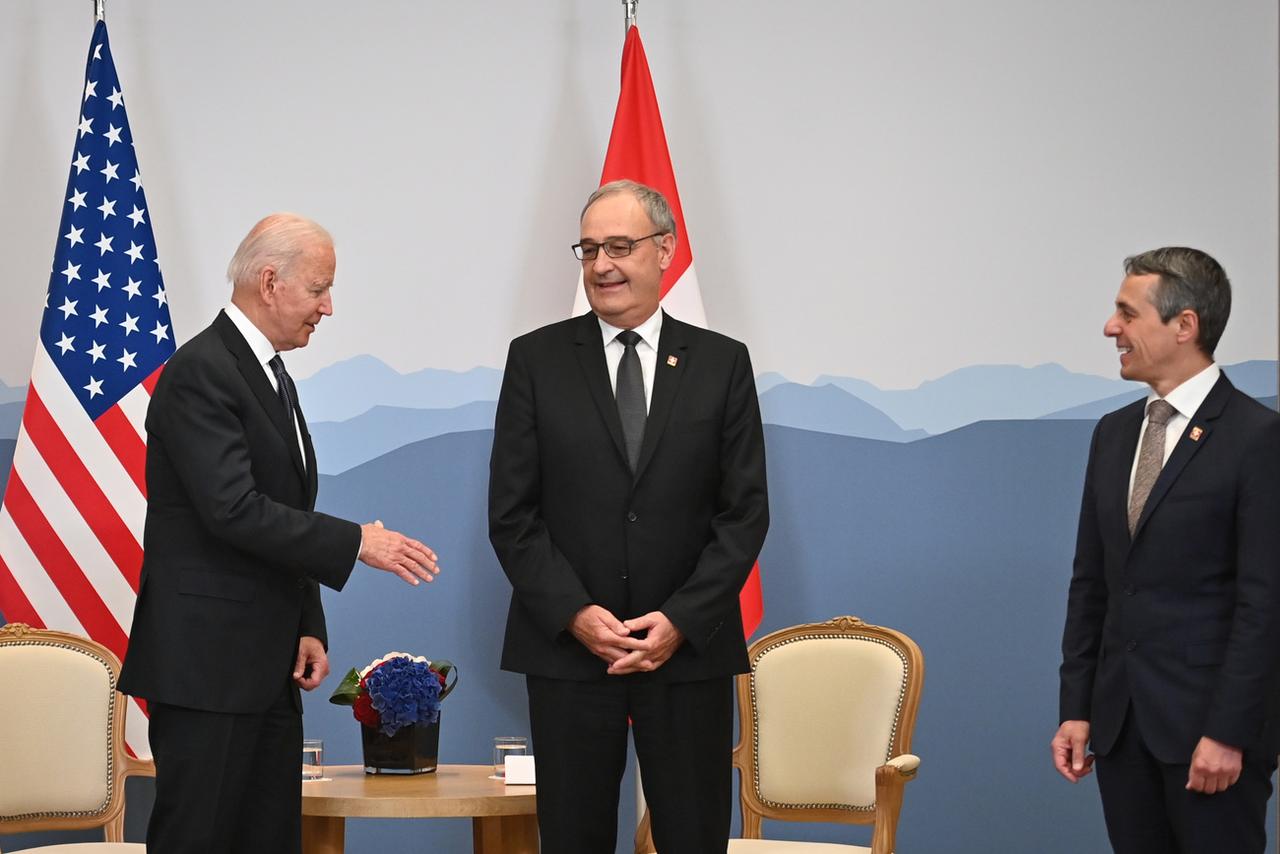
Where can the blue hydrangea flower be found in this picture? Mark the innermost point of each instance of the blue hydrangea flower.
(404, 692)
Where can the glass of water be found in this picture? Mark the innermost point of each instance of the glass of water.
(504, 746)
(312, 758)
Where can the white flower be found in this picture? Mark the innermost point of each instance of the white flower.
(377, 661)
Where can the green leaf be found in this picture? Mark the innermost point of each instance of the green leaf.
(444, 667)
(348, 689)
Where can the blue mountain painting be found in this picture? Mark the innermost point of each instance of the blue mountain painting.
(963, 540)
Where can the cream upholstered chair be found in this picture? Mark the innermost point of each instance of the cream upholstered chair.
(825, 722)
(825, 719)
(62, 739)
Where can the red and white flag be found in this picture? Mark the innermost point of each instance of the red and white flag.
(75, 501)
(638, 151)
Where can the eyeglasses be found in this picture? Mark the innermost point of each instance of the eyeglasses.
(614, 247)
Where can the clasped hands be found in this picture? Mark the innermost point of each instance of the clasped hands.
(1214, 766)
(613, 641)
(393, 552)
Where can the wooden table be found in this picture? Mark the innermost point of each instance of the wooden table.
(503, 818)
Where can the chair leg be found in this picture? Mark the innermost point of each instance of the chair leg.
(889, 790)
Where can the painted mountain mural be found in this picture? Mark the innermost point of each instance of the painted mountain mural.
(947, 511)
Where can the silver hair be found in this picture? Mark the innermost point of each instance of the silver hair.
(276, 241)
(1189, 279)
(653, 202)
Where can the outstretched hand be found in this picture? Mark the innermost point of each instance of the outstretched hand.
(393, 552)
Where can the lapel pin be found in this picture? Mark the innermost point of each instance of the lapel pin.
(1196, 433)
(672, 361)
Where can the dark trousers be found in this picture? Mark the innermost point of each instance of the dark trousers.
(227, 783)
(1149, 810)
(683, 735)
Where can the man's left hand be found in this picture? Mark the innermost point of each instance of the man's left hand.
(310, 654)
(1214, 766)
(651, 652)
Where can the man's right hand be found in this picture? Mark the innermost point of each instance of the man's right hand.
(601, 632)
(1071, 750)
(393, 552)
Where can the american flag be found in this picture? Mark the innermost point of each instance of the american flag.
(74, 506)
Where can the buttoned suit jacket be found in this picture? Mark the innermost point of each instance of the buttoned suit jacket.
(234, 551)
(1181, 621)
(572, 525)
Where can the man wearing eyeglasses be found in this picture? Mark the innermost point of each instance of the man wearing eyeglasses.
(627, 504)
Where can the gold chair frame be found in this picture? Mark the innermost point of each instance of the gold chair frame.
(110, 816)
(891, 777)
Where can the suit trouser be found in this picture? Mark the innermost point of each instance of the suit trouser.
(683, 735)
(227, 782)
(1149, 810)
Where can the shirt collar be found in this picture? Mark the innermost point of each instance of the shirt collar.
(258, 343)
(1187, 397)
(648, 331)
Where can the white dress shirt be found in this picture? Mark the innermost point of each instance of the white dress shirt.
(264, 353)
(1185, 400)
(646, 349)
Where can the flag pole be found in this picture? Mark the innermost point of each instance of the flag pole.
(643, 833)
(99, 10)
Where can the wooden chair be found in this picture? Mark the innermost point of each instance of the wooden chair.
(825, 723)
(825, 719)
(62, 739)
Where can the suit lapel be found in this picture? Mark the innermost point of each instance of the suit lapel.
(256, 378)
(673, 346)
(1200, 426)
(589, 349)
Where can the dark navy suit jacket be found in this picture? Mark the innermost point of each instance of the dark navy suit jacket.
(1181, 621)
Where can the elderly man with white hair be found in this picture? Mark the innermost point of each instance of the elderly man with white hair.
(228, 624)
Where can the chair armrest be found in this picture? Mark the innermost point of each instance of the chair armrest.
(906, 764)
(139, 767)
(891, 778)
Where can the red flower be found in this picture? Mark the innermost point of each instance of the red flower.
(364, 711)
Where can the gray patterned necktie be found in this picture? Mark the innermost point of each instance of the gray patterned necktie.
(629, 391)
(1150, 459)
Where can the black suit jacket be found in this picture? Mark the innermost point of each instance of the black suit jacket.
(573, 526)
(1183, 619)
(232, 548)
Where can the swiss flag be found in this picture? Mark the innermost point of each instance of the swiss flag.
(638, 151)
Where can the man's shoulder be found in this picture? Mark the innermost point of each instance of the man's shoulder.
(204, 350)
(1250, 409)
(1253, 426)
(558, 333)
(697, 335)
(1129, 410)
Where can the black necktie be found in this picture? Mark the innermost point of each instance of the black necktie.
(629, 392)
(284, 385)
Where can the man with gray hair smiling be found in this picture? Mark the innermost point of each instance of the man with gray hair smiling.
(1171, 652)
(627, 505)
(228, 624)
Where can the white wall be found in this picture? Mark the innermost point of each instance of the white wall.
(887, 190)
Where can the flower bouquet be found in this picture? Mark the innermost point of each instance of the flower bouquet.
(396, 699)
